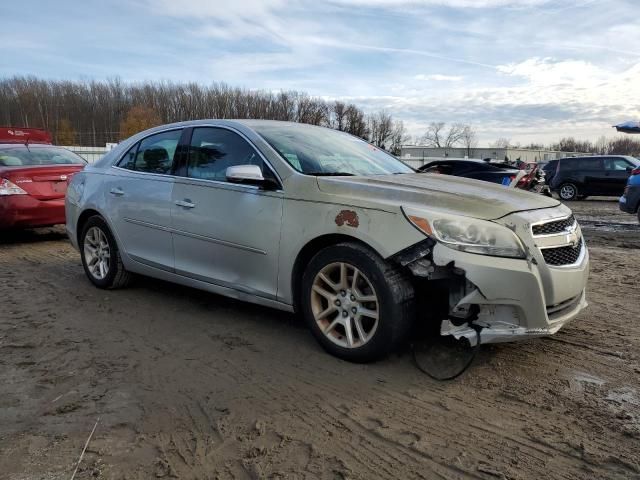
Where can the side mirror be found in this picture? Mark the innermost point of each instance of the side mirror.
(245, 174)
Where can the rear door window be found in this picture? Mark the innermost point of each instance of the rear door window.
(581, 164)
(128, 161)
(154, 154)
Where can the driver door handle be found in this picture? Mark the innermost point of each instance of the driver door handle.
(186, 203)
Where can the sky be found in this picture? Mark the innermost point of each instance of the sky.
(526, 70)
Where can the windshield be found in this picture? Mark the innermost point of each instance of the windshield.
(19, 156)
(321, 151)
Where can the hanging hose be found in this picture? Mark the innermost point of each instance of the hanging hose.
(477, 329)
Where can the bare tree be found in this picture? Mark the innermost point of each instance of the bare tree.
(437, 135)
(399, 137)
(338, 115)
(469, 139)
(434, 136)
(356, 122)
(380, 129)
(502, 142)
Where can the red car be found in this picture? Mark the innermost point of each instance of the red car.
(33, 178)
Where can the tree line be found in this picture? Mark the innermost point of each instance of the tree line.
(619, 145)
(459, 135)
(93, 113)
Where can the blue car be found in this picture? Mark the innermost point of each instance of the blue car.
(630, 199)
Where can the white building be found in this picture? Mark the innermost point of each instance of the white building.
(419, 155)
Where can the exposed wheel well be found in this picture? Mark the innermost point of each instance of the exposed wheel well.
(84, 216)
(307, 253)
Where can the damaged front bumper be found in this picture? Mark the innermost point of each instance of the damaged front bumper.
(504, 299)
(513, 299)
(497, 325)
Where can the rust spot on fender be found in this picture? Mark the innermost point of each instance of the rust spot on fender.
(349, 218)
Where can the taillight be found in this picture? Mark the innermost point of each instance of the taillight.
(9, 188)
(635, 171)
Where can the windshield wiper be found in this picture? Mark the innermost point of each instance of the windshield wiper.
(330, 174)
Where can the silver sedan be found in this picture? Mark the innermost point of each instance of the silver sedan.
(313, 220)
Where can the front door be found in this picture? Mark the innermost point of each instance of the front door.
(616, 174)
(139, 198)
(226, 233)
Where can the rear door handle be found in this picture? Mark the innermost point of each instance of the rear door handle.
(186, 203)
(116, 191)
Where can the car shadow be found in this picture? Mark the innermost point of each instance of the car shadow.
(210, 301)
(252, 317)
(48, 234)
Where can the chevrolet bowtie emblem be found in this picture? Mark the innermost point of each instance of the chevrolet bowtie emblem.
(573, 238)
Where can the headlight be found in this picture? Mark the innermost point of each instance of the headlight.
(469, 234)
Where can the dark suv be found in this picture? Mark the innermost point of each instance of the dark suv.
(579, 177)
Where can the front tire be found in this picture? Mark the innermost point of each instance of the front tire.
(568, 192)
(100, 256)
(357, 306)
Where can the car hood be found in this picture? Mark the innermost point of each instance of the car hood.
(455, 195)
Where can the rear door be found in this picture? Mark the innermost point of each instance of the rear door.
(226, 233)
(138, 197)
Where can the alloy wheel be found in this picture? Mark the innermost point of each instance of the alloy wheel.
(567, 192)
(97, 253)
(345, 305)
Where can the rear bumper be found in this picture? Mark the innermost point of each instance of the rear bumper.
(24, 211)
(631, 200)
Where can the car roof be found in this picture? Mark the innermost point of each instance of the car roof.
(468, 160)
(31, 145)
(595, 156)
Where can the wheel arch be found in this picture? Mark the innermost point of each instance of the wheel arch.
(86, 215)
(307, 252)
(82, 220)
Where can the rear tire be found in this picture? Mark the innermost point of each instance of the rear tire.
(357, 306)
(100, 256)
(568, 192)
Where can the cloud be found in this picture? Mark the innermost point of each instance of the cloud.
(439, 78)
(551, 98)
(511, 67)
(444, 3)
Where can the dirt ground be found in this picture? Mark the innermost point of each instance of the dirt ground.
(186, 384)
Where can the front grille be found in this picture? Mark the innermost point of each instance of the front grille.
(562, 255)
(557, 226)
